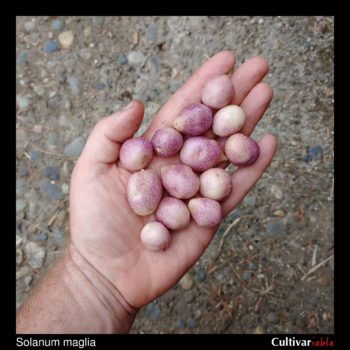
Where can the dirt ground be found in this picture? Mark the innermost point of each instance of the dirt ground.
(272, 272)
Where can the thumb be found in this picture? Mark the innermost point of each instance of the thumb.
(103, 144)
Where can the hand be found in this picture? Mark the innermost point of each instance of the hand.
(104, 229)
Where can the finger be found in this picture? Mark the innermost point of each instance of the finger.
(255, 105)
(245, 178)
(103, 143)
(247, 76)
(221, 63)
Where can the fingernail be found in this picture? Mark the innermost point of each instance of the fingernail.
(128, 106)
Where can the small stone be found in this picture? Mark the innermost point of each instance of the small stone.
(201, 275)
(61, 75)
(99, 86)
(23, 168)
(28, 280)
(22, 271)
(252, 266)
(75, 148)
(276, 227)
(272, 317)
(39, 90)
(152, 34)
(152, 311)
(197, 314)
(122, 59)
(192, 323)
(38, 128)
(65, 188)
(186, 282)
(35, 255)
(261, 21)
(29, 26)
(246, 276)
(22, 101)
(50, 35)
(51, 46)
(19, 256)
(66, 39)
(41, 236)
(87, 32)
(20, 205)
(279, 213)
(52, 138)
(250, 201)
(181, 323)
(22, 57)
(276, 191)
(259, 330)
(315, 153)
(74, 85)
(50, 190)
(174, 85)
(58, 235)
(56, 24)
(52, 172)
(34, 155)
(19, 240)
(136, 58)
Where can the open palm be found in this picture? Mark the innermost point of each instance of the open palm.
(104, 229)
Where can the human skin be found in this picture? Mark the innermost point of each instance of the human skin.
(107, 275)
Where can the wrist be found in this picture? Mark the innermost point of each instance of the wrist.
(104, 304)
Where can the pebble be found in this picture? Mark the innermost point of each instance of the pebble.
(50, 190)
(152, 34)
(314, 153)
(20, 205)
(181, 323)
(74, 85)
(250, 201)
(35, 254)
(75, 148)
(51, 46)
(52, 172)
(271, 317)
(87, 32)
(152, 311)
(22, 57)
(56, 24)
(29, 26)
(21, 138)
(192, 323)
(19, 256)
(34, 155)
(50, 35)
(28, 280)
(122, 59)
(186, 281)
(39, 90)
(58, 235)
(99, 86)
(279, 213)
(246, 276)
(41, 236)
(277, 191)
(65, 188)
(136, 58)
(19, 240)
(61, 75)
(22, 101)
(22, 271)
(23, 168)
(276, 227)
(66, 39)
(52, 138)
(259, 330)
(252, 265)
(201, 275)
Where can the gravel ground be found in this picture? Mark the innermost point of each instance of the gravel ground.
(252, 278)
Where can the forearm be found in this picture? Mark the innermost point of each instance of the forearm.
(75, 298)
